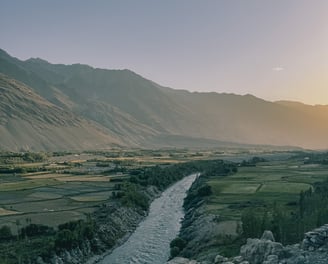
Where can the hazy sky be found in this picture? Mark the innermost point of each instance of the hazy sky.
(274, 49)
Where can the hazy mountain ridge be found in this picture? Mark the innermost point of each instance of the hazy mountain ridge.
(139, 112)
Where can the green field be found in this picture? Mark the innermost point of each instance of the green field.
(67, 186)
(262, 185)
(76, 183)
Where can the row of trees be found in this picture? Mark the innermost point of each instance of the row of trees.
(73, 233)
(288, 226)
(40, 240)
(162, 177)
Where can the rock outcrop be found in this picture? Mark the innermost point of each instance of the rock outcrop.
(312, 250)
(114, 225)
(264, 250)
(179, 260)
(316, 238)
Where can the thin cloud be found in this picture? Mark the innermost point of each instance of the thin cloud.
(278, 68)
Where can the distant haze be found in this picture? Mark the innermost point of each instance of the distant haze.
(47, 106)
(274, 49)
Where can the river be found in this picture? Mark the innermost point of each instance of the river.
(150, 242)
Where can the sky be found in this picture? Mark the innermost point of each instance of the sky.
(273, 49)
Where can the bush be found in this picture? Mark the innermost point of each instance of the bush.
(178, 242)
(5, 233)
(176, 246)
(134, 197)
(36, 230)
(65, 239)
(174, 252)
(204, 190)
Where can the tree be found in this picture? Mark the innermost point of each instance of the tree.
(178, 242)
(204, 190)
(5, 233)
(65, 239)
(252, 224)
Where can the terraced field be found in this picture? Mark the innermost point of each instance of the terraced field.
(60, 189)
(67, 186)
(50, 200)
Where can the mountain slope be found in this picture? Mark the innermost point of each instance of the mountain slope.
(249, 119)
(52, 82)
(29, 122)
(141, 113)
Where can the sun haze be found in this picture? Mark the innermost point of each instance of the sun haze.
(276, 49)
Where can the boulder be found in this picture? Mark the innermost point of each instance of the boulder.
(238, 259)
(179, 260)
(267, 235)
(271, 259)
(258, 250)
(220, 259)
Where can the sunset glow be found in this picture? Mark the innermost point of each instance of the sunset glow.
(276, 49)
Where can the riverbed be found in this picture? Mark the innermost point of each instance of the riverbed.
(150, 242)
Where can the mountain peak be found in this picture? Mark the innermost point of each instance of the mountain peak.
(5, 55)
(37, 60)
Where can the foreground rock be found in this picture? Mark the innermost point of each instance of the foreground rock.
(312, 250)
(264, 250)
(179, 260)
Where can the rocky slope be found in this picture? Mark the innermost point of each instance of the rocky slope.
(313, 249)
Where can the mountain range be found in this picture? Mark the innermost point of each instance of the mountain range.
(46, 106)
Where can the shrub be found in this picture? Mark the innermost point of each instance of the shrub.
(204, 190)
(65, 239)
(178, 242)
(5, 232)
(36, 230)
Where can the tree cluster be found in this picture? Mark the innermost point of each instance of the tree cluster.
(289, 226)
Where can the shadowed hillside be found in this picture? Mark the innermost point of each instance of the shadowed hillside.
(141, 113)
(29, 122)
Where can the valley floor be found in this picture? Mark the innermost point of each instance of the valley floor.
(244, 204)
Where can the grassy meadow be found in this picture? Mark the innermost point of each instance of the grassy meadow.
(262, 185)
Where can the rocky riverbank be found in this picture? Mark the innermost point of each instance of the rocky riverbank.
(313, 249)
(114, 223)
(201, 232)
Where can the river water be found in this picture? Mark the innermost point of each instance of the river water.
(150, 243)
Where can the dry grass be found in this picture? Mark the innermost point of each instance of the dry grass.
(7, 212)
(28, 184)
(46, 176)
(89, 198)
(83, 179)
